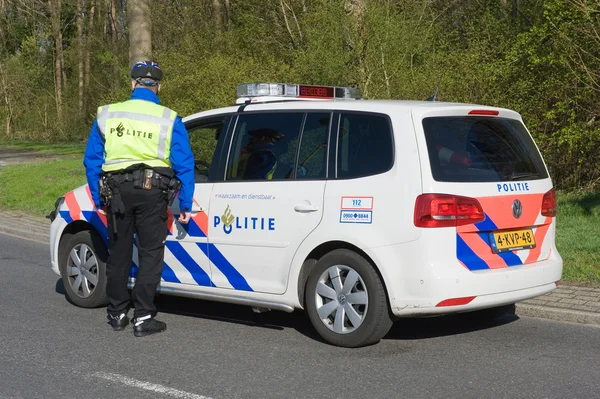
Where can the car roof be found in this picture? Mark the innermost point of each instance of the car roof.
(380, 106)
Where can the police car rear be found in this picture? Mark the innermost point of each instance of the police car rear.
(488, 209)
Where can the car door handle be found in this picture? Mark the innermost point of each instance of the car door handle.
(306, 208)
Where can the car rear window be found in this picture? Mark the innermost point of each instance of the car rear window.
(481, 149)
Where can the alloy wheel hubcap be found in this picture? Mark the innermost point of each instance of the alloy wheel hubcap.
(341, 299)
(82, 270)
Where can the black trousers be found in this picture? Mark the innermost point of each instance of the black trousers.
(146, 211)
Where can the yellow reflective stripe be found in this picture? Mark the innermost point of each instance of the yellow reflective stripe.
(116, 161)
(159, 120)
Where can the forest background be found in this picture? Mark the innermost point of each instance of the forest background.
(60, 59)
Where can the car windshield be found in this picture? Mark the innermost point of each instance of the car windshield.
(481, 149)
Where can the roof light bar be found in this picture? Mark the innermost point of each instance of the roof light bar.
(298, 91)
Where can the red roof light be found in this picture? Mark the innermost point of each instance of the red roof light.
(316, 91)
(488, 112)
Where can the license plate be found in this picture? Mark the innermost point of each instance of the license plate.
(514, 240)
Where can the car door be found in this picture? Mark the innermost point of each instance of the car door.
(271, 199)
(186, 247)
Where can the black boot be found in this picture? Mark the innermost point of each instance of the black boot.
(119, 322)
(147, 326)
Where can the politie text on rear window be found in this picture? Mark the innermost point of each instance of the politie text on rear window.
(481, 149)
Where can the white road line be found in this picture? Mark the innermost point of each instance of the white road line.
(176, 393)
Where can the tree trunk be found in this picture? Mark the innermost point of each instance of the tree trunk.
(54, 7)
(356, 40)
(8, 102)
(217, 15)
(2, 5)
(113, 22)
(227, 14)
(81, 43)
(88, 53)
(140, 30)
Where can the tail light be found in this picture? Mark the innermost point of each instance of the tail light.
(549, 204)
(444, 210)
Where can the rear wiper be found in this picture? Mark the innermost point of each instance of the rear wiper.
(522, 175)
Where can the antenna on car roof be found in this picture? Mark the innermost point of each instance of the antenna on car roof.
(432, 98)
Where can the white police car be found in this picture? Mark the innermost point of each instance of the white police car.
(358, 211)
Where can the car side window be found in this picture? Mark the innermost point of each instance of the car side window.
(264, 146)
(364, 145)
(312, 155)
(204, 137)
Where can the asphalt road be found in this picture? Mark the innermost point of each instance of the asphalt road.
(52, 349)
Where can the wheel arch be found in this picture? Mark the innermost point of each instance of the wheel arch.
(324, 248)
(69, 231)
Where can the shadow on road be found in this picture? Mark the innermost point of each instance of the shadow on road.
(238, 314)
(442, 326)
(404, 329)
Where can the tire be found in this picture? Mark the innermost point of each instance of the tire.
(353, 314)
(85, 282)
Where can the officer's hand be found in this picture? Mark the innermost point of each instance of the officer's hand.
(184, 217)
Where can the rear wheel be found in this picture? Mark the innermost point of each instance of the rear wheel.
(83, 266)
(346, 300)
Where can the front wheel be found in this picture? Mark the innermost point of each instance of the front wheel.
(346, 300)
(83, 266)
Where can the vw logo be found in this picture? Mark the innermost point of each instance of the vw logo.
(517, 209)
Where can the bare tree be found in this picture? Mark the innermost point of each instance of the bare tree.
(2, 11)
(139, 23)
(291, 23)
(80, 52)
(227, 14)
(54, 6)
(356, 40)
(217, 14)
(88, 51)
(113, 22)
(7, 100)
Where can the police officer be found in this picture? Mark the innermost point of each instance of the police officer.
(258, 161)
(140, 149)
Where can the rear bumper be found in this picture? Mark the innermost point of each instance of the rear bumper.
(418, 284)
(478, 302)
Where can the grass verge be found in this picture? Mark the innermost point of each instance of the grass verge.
(578, 237)
(33, 187)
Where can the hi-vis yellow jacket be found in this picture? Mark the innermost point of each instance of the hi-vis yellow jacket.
(136, 131)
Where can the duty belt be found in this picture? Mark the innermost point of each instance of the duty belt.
(137, 177)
